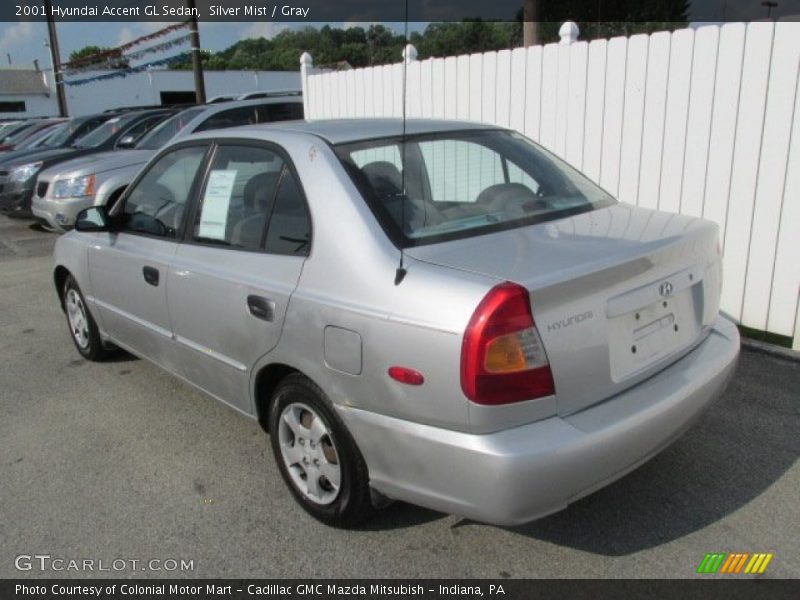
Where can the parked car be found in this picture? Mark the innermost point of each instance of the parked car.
(442, 313)
(18, 131)
(18, 176)
(40, 137)
(72, 130)
(97, 179)
(34, 127)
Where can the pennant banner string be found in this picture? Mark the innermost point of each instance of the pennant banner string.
(117, 52)
(124, 72)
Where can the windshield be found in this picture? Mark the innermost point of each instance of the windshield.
(464, 183)
(106, 131)
(25, 133)
(41, 138)
(67, 133)
(13, 130)
(165, 131)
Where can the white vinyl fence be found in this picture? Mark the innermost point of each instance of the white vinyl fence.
(704, 122)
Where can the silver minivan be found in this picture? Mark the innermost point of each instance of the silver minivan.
(437, 312)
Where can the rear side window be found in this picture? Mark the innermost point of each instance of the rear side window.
(155, 206)
(238, 196)
(243, 115)
(290, 225)
(280, 111)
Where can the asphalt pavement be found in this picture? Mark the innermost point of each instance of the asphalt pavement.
(120, 461)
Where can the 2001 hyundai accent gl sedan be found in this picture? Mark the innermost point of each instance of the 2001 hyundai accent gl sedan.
(449, 315)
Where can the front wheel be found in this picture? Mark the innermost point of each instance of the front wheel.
(82, 327)
(316, 455)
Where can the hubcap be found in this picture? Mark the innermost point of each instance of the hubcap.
(78, 321)
(309, 454)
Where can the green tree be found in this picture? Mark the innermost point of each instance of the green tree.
(379, 45)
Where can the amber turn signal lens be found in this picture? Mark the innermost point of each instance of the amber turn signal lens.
(505, 355)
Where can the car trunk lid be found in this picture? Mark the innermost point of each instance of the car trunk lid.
(617, 293)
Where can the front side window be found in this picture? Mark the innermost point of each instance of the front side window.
(279, 111)
(237, 197)
(156, 205)
(141, 128)
(450, 185)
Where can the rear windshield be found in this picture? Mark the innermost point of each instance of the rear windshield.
(452, 185)
(165, 131)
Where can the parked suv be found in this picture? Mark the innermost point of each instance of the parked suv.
(68, 188)
(18, 176)
(438, 312)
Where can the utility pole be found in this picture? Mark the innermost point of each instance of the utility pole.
(530, 23)
(769, 6)
(197, 65)
(55, 59)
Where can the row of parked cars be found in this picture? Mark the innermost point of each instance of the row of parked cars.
(51, 169)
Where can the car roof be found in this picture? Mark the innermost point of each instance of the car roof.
(338, 131)
(229, 104)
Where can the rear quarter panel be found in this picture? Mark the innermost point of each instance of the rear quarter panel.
(348, 282)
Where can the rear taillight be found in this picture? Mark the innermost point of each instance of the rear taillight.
(502, 356)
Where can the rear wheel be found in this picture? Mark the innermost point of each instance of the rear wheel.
(82, 327)
(316, 455)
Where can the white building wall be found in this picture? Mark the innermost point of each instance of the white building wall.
(36, 105)
(145, 88)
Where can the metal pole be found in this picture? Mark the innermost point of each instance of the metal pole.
(530, 23)
(197, 66)
(55, 58)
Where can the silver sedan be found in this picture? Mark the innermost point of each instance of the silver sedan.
(437, 312)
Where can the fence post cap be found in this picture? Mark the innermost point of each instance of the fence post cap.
(409, 53)
(306, 60)
(568, 32)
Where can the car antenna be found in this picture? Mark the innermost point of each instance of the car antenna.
(400, 274)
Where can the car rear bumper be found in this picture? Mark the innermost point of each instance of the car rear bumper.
(518, 475)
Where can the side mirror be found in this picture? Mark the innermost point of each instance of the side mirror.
(94, 218)
(126, 141)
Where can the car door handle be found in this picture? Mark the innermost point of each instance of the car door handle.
(150, 275)
(261, 308)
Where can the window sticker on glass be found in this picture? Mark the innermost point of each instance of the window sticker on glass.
(214, 216)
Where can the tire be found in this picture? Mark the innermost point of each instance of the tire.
(81, 324)
(311, 444)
